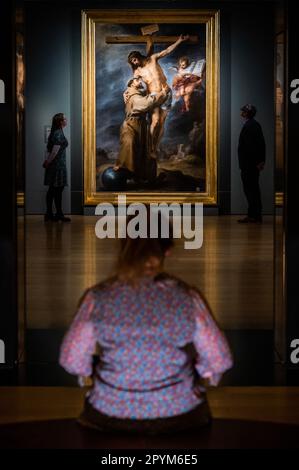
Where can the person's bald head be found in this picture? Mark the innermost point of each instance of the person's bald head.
(135, 82)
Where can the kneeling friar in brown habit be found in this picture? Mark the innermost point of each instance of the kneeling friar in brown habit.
(134, 154)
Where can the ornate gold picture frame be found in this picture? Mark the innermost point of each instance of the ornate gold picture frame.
(208, 26)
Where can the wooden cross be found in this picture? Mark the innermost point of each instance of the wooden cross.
(147, 34)
(143, 39)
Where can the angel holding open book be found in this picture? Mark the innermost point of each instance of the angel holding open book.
(189, 76)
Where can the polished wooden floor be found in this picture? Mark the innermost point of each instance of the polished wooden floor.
(234, 268)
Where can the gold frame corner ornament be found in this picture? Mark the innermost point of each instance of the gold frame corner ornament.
(89, 19)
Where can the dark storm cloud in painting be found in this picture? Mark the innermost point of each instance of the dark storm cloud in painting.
(113, 73)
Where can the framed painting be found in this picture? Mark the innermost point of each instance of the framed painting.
(150, 88)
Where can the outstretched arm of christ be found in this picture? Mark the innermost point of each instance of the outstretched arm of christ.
(170, 49)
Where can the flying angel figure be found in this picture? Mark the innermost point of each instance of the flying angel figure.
(189, 76)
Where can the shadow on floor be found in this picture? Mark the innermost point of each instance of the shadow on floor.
(222, 434)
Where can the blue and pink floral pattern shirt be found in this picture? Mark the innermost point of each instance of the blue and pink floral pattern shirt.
(145, 370)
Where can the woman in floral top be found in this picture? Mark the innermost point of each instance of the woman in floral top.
(156, 336)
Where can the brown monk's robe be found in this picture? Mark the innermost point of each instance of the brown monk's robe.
(134, 153)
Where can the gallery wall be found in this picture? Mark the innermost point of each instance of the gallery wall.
(47, 92)
(53, 84)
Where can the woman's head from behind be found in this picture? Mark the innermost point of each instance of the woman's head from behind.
(139, 257)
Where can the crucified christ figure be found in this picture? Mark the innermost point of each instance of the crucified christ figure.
(148, 68)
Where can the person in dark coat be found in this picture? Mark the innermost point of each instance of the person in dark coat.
(252, 156)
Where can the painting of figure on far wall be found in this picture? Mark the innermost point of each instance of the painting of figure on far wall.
(154, 136)
(150, 105)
